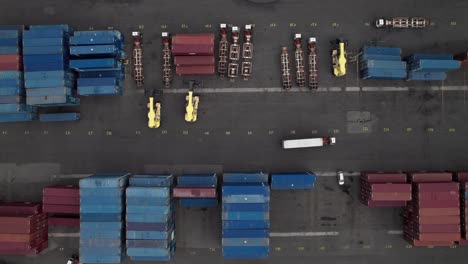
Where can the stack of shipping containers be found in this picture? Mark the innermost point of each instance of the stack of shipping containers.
(462, 178)
(384, 189)
(102, 236)
(48, 79)
(245, 216)
(197, 190)
(150, 218)
(23, 229)
(194, 54)
(97, 57)
(432, 218)
(13, 106)
(431, 67)
(381, 63)
(293, 181)
(62, 203)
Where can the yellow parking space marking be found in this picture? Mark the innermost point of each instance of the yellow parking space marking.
(163, 132)
(108, 133)
(277, 249)
(322, 248)
(386, 129)
(300, 248)
(409, 246)
(388, 246)
(228, 133)
(366, 246)
(137, 132)
(163, 26)
(207, 133)
(5, 133)
(292, 132)
(409, 130)
(451, 130)
(141, 26)
(249, 133)
(208, 26)
(314, 131)
(292, 25)
(45, 132)
(335, 25)
(27, 132)
(67, 133)
(430, 129)
(453, 23)
(184, 25)
(271, 132)
(185, 132)
(314, 24)
(90, 133)
(273, 25)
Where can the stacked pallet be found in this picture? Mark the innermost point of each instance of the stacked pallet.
(197, 190)
(62, 204)
(13, 106)
(102, 237)
(381, 63)
(245, 216)
(48, 79)
(150, 218)
(23, 228)
(431, 67)
(293, 181)
(432, 218)
(462, 178)
(384, 189)
(96, 57)
(194, 54)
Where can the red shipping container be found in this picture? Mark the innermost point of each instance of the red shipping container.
(22, 219)
(391, 196)
(461, 176)
(439, 228)
(64, 221)
(431, 177)
(419, 243)
(195, 70)
(439, 220)
(192, 50)
(439, 204)
(24, 237)
(390, 187)
(438, 187)
(384, 203)
(438, 212)
(19, 251)
(438, 237)
(61, 200)
(194, 60)
(11, 66)
(11, 58)
(194, 192)
(61, 209)
(384, 177)
(20, 208)
(62, 190)
(441, 196)
(203, 38)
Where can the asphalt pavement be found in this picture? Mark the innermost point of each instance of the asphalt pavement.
(379, 125)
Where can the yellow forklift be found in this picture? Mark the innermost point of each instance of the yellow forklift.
(191, 106)
(339, 58)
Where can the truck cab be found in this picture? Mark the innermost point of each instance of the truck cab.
(380, 23)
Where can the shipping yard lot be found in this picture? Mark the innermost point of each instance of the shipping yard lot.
(405, 126)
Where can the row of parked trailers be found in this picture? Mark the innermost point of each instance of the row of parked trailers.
(433, 203)
(385, 63)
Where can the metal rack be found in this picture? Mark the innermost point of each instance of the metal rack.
(285, 69)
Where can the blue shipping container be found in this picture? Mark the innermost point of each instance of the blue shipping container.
(99, 90)
(94, 50)
(364, 56)
(144, 243)
(106, 209)
(42, 50)
(5, 75)
(261, 189)
(245, 177)
(426, 76)
(105, 81)
(50, 91)
(109, 192)
(137, 209)
(102, 74)
(250, 224)
(40, 42)
(43, 33)
(101, 225)
(101, 217)
(245, 252)
(9, 50)
(11, 99)
(245, 216)
(93, 40)
(102, 200)
(148, 192)
(94, 64)
(11, 83)
(113, 33)
(109, 251)
(148, 218)
(101, 242)
(100, 259)
(381, 64)
(246, 199)
(246, 207)
(151, 180)
(421, 56)
(48, 83)
(381, 50)
(6, 42)
(105, 180)
(14, 108)
(245, 242)
(51, 66)
(101, 234)
(63, 27)
(17, 117)
(12, 33)
(293, 181)
(147, 200)
(150, 252)
(435, 65)
(138, 226)
(389, 74)
(48, 58)
(240, 233)
(66, 75)
(199, 202)
(54, 100)
(8, 91)
(150, 234)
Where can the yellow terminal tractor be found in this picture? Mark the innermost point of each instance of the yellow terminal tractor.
(154, 113)
(339, 58)
(191, 107)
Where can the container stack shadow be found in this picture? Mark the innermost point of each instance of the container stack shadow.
(102, 203)
(245, 216)
(23, 228)
(150, 218)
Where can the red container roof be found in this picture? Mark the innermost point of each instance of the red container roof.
(431, 176)
(195, 70)
(437, 187)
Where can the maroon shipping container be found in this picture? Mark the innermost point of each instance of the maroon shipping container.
(22, 219)
(64, 221)
(463, 242)
(61, 209)
(461, 56)
(203, 38)
(390, 187)
(195, 70)
(418, 243)
(19, 251)
(384, 203)
(62, 190)
(192, 50)
(21, 229)
(438, 220)
(61, 200)
(431, 177)
(461, 176)
(11, 58)
(24, 237)
(441, 196)
(437, 236)
(384, 177)
(11, 66)
(439, 204)
(438, 187)
(438, 212)
(391, 196)
(194, 192)
(439, 228)
(194, 60)
(20, 208)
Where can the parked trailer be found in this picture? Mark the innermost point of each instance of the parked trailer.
(308, 142)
